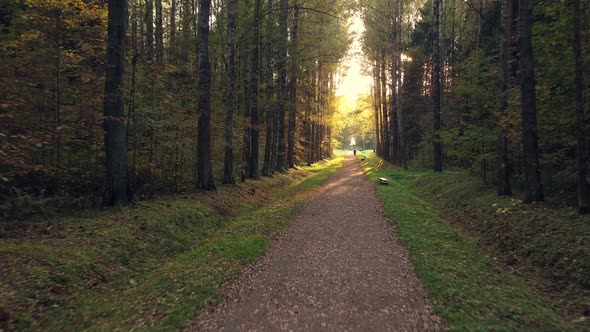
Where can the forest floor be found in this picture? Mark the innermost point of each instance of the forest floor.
(338, 267)
(489, 262)
(146, 266)
(188, 261)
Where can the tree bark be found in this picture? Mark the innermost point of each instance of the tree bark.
(282, 82)
(386, 137)
(254, 104)
(293, 89)
(534, 190)
(149, 29)
(159, 33)
(378, 117)
(436, 89)
(204, 167)
(400, 114)
(117, 189)
(269, 151)
(581, 116)
(228, 164)
(172, 47)
(502, 160)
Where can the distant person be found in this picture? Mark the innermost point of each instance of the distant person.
(354, 151)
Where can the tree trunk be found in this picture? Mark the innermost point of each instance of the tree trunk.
(172, 47)
(400, 115)
(254, 104)
(117, 189)
(581, 116)
(436, 90)
(293, 89)
(246, 77)
(204, 167)
(282, 82)
(377, 105)
(534, 190)
(159, 33)
(228, 164)
(149, 28)
(502, 168)
(393, 149)
(58, 91)
(386, 138)
(267, 167)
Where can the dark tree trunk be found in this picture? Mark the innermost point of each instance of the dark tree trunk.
(393, 118)
(149, 29)
(581, 116)
(282, 83)
(246, 67)
(400, 114)
(386, 137)
(269, 151)
(254, 104)
(118, 189)
(377, 103)
(204, 167)
(502, 167)
(534, 190)
(228, 164)
(159, 33)
(172, 47)
(436, 89)
(293, 89)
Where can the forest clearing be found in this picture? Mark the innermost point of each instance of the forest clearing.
(385, 164)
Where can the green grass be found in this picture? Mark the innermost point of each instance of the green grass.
(470, 292)
(148, 267)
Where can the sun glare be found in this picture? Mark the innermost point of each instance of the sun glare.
(353, 82)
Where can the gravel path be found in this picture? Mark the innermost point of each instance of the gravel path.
(338, 267)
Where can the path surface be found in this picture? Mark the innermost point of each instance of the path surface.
(338, 267)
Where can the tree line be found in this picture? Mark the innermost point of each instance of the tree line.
(494, 86)
(129, 98)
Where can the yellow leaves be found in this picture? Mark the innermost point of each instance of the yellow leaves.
(30, 36)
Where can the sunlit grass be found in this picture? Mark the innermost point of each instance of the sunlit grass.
(150, 266)
(469, 292)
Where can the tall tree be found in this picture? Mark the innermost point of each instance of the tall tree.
(581, 116)
(172, 32)
(228, 165)
(149, 28)
(282, 83)
(159, 33)
(399, 85)
(436, 89)
(293, 88)
(534, 190)
(253, 171)
(204, 166)
(502, 160)
(118, 189)
(386, 134)
(269, 151)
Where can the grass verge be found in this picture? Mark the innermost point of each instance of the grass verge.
(470, 290)
(148, 266)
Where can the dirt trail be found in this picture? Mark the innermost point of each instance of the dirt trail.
(338, 267)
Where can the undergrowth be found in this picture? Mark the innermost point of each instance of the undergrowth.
(459, 233)
(148, 266)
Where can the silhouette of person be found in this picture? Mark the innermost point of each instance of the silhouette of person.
(354, 151)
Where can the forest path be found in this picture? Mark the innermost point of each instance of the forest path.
(339, 266)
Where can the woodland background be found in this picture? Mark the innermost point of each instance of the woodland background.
(286, 57)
